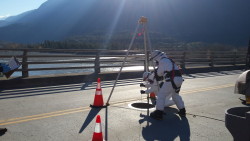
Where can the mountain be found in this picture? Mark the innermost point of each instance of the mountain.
(13, 19)
(212, 21)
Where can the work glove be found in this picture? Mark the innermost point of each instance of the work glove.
(142, 85)
(142, 92)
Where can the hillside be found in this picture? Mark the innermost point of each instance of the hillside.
(213, 21)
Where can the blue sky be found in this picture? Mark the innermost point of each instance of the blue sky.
(15, 7)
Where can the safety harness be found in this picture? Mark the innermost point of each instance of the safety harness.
(169, 75)
(158, 78)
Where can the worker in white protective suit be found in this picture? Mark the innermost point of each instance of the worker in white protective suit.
(171, 86)
(150, 83)
(153, 86)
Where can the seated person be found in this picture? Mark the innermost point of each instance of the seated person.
(4, 68)
(9, 68)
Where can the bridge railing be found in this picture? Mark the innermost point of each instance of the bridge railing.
(83, 60)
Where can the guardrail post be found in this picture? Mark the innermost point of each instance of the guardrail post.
(25, 72)
(211, 64)
(97, 63)
(183, 60)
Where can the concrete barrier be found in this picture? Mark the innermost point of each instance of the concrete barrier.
(63, 79)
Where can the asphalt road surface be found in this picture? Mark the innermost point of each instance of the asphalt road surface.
(62, 113)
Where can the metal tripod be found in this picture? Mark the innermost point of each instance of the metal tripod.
(142, 21)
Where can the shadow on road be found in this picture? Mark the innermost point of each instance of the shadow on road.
(171, 127)
(211, 74)
(92, 114)
(36, 91)
(27, 92)
(86, 85)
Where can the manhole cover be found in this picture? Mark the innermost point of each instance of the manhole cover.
(141, 105)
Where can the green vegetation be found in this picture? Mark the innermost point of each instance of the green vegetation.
(120, 41)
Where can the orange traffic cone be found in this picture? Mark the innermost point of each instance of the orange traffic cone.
(98, 86)
(152, 95)
(152, 98)
(98, 100)
(97, 135)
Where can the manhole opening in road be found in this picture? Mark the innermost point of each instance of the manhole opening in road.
(141, 105)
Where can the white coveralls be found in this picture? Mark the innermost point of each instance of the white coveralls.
(167, 89)
(153, 87)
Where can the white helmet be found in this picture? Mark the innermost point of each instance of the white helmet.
(145, 75)
(155, 54)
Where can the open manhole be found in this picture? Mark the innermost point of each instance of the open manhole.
(141, 105)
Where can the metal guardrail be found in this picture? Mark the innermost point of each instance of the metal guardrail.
(99, 59)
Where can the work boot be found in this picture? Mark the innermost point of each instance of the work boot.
(157, 114)
(182, 112)
(2, 131)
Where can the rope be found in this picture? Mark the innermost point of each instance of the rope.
(195, 115)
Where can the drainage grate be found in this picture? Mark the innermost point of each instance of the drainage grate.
(142, 105)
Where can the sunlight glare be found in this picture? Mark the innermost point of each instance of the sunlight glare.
(114, 24)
